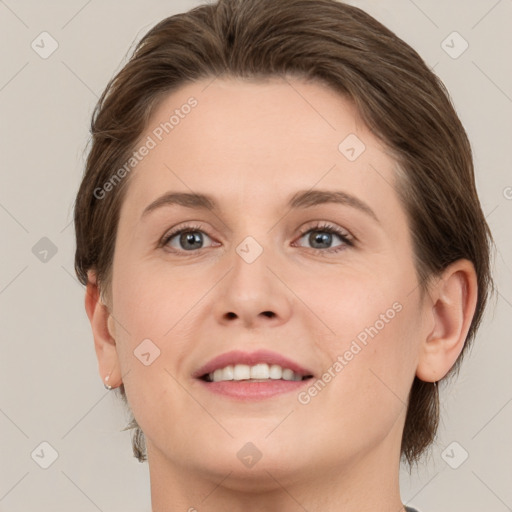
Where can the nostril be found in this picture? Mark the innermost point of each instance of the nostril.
(270, 314)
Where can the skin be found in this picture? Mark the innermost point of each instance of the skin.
(251, 145)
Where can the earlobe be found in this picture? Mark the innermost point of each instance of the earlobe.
(103, 329)
(451, 309)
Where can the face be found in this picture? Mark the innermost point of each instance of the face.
(301, 259)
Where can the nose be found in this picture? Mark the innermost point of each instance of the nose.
(253, 293)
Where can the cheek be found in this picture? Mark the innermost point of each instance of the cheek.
(152, 298)
(354, 302)
(372, 344)
(369, 391)
(150, 313)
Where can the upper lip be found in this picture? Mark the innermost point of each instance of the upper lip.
(235, 357)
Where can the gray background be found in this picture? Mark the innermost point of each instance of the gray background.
(50, 387)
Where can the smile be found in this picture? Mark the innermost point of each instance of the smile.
(249, 376)
(260, 372)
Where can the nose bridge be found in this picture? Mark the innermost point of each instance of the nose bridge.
(250, 274)
(251, 291)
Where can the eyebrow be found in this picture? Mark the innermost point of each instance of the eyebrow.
(301, 199)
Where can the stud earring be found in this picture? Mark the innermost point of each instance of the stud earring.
(107, 386)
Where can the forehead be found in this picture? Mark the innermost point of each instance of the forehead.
(255, 142)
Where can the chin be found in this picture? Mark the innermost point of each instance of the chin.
(262, 476)
(251, 465)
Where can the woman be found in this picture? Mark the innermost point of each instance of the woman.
(284, 252)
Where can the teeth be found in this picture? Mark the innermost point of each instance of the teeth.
(228, 373)
(261, 371)
(276, 372)
(241, 372)
(288, 374)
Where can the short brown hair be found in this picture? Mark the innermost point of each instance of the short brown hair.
(398, 97)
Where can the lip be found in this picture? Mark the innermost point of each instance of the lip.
(251, 358)
(247, 391)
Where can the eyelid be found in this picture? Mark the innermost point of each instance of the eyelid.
(321, 225)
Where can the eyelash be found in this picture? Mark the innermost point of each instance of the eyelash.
(322, 227)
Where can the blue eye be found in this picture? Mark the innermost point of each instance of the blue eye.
(191, 238)
(323, 235)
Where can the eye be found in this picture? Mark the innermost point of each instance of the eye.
(321, 235)
(187, 238)
(190, 238)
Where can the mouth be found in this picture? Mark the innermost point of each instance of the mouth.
(252, 376)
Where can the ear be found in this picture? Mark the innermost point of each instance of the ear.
(103, 329)
(450, 309)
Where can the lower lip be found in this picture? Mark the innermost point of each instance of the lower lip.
(246, 390)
